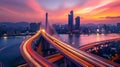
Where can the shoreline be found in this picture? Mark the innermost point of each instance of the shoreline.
(15, 35)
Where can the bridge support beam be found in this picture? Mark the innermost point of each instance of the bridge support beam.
(44, 48)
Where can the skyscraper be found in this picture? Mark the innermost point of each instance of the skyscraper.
(70, 21)
(77, 21)
(46, 21)
(118, 27)
(34, 27)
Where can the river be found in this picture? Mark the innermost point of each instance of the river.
(10, 55)
(80, 40)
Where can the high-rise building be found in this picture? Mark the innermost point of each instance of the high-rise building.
(46, 21)
(34, 27)
(118, 27)
(70, 21)
(77, 21)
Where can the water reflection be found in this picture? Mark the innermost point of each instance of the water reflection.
(5, 37)
(10, 55)
(77, 40)
(80, 40)
(70, 39)
(98, 37)
(74, 39)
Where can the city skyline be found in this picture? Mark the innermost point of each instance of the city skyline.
(102, 11)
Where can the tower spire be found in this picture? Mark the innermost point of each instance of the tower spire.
(46, 21)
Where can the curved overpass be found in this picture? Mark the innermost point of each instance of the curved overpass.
(88, 46)
(33, 59)
(77, 56)
(99, 43)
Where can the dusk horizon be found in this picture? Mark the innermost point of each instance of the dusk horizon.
(97, 12)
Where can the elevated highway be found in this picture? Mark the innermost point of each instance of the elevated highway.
(98, 45)
(79, 57)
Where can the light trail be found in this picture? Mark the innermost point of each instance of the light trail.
(54, 57)
(78, 56)
(82, 54)
(31, 57)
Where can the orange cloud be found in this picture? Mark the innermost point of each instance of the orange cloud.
(34, 10)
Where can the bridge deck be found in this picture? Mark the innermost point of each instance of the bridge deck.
(78, 56)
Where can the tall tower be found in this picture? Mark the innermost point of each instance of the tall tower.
(46, 21)
(70, 21)
(77, 21)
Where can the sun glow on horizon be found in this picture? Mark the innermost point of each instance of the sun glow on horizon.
(34, 10)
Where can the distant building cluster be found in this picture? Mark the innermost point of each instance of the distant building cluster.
(70, 27)
(20, 28)
(88, 28)
(78, 28)
(34, 27)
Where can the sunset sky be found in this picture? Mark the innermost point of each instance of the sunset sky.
(90, 11)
